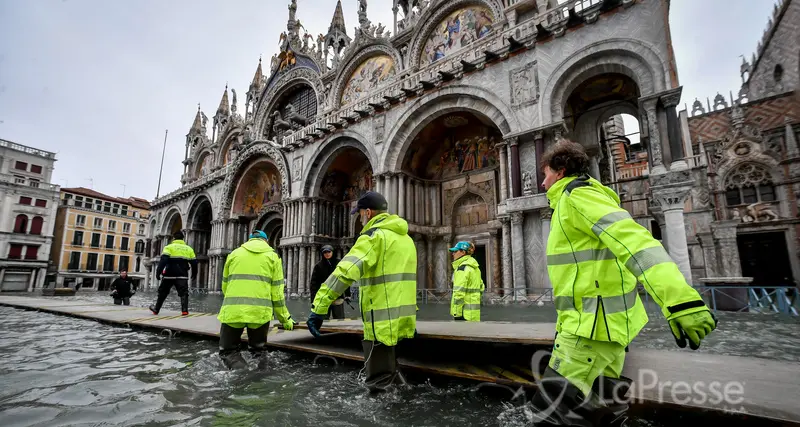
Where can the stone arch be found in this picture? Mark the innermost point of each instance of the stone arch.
(270, 221)
(352, 60)
(233, 136)
(199, 159)
(453, 98)
(194, 206)
(433, 16)
(326, 154)
(486, 195)
(632, 58)
(173, 213)
(151, 230)
(251, 154)
(275, 90)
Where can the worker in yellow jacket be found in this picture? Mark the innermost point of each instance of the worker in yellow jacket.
(384, 263)
(252, 283)
(468, 285)
(596, 254)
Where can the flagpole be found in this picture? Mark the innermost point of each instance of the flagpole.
(163, 150)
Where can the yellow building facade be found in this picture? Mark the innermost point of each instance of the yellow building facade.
(96, 237)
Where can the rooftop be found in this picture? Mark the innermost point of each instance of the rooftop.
(135, 202)
(28, 150)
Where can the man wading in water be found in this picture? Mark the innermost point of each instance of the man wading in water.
(384, 263)
(596, 253)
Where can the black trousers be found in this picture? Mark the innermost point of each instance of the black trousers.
(181, 285)
(121, 301)
(336, 311)
(230, 343)
(381, 366)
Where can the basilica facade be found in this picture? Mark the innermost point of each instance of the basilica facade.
(446, 113)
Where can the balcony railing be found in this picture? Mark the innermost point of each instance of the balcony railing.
(25, 149)
(35, 183)
(633, 171)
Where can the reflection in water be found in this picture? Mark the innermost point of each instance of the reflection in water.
(62, 371)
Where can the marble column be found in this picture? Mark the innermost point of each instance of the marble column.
(401, 198)
(503, 171)
(670, 101)
(538, 145)
(314, 217)
(428, 202)
(506, 244)
(710, 258)
(303, 266)
(594, 167)
(290, 273)
(430, 242)
(518, 249)
(727, 247)
(546, 215)
(649, 106)
(496, 263)
(671, 202)
(516, 177)
(422, 261)
(304, 230)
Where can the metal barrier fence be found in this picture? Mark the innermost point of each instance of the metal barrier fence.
(783, 300)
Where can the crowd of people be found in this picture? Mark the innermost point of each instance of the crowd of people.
(596, 255)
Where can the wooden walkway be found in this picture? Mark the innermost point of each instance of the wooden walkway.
(500, 353)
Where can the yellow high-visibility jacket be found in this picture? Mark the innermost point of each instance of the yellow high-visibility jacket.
(468, 289)
(596, 253)
(384, 263)
(252, 283)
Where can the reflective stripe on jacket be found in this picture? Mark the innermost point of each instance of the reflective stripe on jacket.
(176, 260)
(384, 263)
(596, 253)
(252, 283)
(468, 288)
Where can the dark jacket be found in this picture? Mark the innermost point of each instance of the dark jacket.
(176, 261)
(322, 271)
(124, 287)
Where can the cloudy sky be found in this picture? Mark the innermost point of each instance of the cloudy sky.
(99, 81)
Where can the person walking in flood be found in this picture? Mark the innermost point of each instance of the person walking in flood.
(173, 271)
(252, 285)
(468, 285)
(122, 289)
(322, 270)
(596, 254)
(384, 263)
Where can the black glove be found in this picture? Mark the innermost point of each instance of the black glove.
(314, 324)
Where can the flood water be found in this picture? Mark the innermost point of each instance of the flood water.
(63, 371)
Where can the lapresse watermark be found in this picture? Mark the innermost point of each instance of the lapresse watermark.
(648, 386)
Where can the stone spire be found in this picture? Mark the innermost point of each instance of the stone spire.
(224, 108)
(198, 125)
(337, 23)
(337, 37)
(258, 77)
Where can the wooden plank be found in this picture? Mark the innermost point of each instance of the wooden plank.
(500, 332)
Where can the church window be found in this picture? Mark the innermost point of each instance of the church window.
(778, 74)
(304, 101)
(749, 183)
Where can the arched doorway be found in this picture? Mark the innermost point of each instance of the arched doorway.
(602, 114)
(271, 223)
(452, 171)
(257, 191)
(198, 236)
(347, 176)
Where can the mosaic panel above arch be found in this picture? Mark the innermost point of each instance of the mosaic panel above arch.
(369, 75)
(261, 185)
(457, 30)
(205, 164)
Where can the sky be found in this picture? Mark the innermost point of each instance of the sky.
(98, 82)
